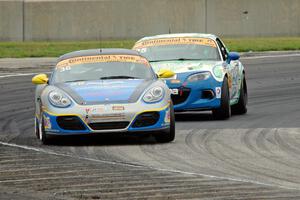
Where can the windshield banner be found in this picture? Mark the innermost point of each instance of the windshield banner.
(175, 41)
(102, 58)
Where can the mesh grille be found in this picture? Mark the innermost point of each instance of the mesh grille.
(108, 125)
(146, 119)
(183, 94)
(70, 123)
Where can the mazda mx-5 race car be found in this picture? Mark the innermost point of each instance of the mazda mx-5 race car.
(207, 76)
(103, 90)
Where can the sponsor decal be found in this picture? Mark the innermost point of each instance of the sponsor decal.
(66, 64)
(54, 130)
(105, 117)
(234, 91)
(64, 68)
(97, 110)
(87, 110)
(79, 83)
(174, 91)
(229, 81)
(218, 92)
(103, 112)
(175, 81)
(142, 50)
(47, 122)
(168, 116)
(175, 41)
(118, 108)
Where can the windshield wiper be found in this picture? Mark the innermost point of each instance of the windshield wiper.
(75, 81)
(118, 77)
(176, 59)
(189, 59)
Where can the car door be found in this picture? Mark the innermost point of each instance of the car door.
(232, 69)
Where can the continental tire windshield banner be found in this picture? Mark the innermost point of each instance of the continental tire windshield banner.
(175, 41)
(102, 58)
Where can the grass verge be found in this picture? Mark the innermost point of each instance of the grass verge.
(54, 49)
(263, 44)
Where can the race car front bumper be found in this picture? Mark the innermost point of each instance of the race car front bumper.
(200, 95)
(116, 118)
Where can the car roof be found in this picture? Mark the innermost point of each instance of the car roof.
(200, 35)
(94, 52)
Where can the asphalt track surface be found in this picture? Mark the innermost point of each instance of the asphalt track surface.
(253, 156)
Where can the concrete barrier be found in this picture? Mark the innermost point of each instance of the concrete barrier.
(32, 20)
(11, 20)
(106, 19)
(254, 17)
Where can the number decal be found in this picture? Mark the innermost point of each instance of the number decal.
(66, 68)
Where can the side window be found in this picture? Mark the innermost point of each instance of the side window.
(222, 49)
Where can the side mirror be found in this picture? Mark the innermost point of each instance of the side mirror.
(40, 79)
(165, 73)
(233, 56)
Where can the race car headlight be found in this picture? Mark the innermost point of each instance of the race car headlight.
(199, 77)
(154, 94)
(218, 71)
(58, 99)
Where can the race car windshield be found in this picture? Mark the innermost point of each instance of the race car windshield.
(102, 71)
(180, 52)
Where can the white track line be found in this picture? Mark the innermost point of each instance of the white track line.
(270, 56)
(141, 166)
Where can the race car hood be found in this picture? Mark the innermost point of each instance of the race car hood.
(105, 91)
(179, 66)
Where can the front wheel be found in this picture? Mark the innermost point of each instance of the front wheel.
(241, 107)
(42, 133)
(224, 112)
(36, 128)
(169, 135)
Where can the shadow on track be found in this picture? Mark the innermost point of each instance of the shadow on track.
(102, 140)
(194, 116)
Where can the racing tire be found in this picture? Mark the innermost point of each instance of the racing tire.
(44, 138)
(241, 107)
(36, 128)
(224, 112)
(169, 135)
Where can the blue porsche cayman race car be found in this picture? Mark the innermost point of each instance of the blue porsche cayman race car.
(207, 76)
(103, 90)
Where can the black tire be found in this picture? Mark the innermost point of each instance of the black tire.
(42, 133)
(36, 128)
(241, 107)
(169, 135)
(224, 112)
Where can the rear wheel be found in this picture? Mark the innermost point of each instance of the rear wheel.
(241, 107)
(169, 135)
(224, 112)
